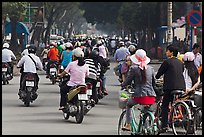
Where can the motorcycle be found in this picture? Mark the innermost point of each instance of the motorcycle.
(76, 108)
(29, 89)
(99, 92)
(53, 72)
(6, 75)
(89, 104)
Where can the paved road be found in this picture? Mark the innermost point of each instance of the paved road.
(44, 118)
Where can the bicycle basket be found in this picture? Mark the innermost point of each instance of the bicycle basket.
(122, 102)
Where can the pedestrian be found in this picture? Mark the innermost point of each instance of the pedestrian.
(172, 69)
(198, 56)
(191, 75)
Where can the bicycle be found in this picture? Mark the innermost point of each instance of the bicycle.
(146, 124)
(194, 100)
(179, 117)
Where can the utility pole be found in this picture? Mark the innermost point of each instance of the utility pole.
(169, 23)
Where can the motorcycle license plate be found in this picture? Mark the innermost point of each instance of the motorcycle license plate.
(82, 97)
(89, 92)
(53, 70)
(30, 83)
(4, 69)
(98, 84)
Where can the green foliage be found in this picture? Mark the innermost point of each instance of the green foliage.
(14, 9)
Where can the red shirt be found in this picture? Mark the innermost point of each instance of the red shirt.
(53, 54)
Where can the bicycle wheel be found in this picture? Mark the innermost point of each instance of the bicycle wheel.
(122, 122)
(180, 118)
(197, 120)
(149, 127)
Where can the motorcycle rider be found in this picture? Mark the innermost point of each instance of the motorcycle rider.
(94, 69)
(8, 56)
(77, 70)
(66, 56)
(27, 65)
(53, 56)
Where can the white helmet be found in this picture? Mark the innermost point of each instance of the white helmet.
(28, 45)
(78, 52)
(6, 45)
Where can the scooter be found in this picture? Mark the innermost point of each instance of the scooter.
(76, 107)
(6, 75)
(29, 89)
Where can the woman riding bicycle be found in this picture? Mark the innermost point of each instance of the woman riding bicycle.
(143, 85)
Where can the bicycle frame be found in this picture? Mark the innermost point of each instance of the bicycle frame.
(137, 128)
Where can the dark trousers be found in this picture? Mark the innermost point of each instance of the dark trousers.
(93, 82)
(23, 75)
(63, 94)
(167, 98)
(11, 68)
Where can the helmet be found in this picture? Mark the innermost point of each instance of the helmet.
(68, 45)
(188, 56)
(94, 54)
(6, 45)
(53, 44)
(32, 49)
(131, 48)
(28, 45)
(121, 43)
(77, 52)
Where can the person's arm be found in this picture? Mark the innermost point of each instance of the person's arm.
(195, 85)
(162, 69)
(129, 78)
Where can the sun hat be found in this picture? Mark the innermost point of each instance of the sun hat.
(140, 58)
(77, 52)
(188, 56)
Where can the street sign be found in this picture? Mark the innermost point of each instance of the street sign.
(195, 18)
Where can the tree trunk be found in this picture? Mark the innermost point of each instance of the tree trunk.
(14, 42)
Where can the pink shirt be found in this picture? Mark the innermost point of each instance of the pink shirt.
(77, 73)
(102, 51)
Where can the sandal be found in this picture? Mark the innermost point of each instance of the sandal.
(61, 108)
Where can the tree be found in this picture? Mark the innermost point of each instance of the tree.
(14, 10)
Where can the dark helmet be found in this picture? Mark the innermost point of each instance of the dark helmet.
(94, 54)
(32, 49)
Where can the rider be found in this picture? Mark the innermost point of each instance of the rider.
(53, 56)
(191, 75)
(143, 86)
(94, 68)
(78, 70)
(27, 65)
(172, 69)
(8, 56)
(66, 56)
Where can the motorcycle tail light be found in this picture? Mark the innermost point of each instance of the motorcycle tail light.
(83, 90)
(29, 77)
(52, 65)
(89, 85)
(4, 65)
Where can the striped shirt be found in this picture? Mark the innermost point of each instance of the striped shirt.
(94, 72)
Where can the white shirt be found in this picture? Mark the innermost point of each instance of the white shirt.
(25, 52)
(7, 55)
(198, 60)
(187, 79)
(29, 65)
